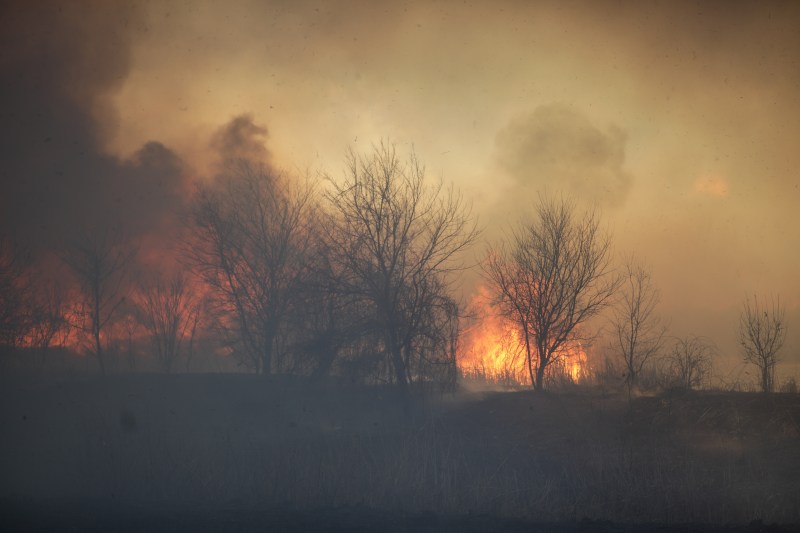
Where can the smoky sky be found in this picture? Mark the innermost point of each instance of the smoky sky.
(680, 119)
(558, 148)
(60, 64)
(241, 139)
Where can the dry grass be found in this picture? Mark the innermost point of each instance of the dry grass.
(238, 440)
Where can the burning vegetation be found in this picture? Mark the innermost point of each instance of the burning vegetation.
(493, 351)
(353, 282)
(275, 275)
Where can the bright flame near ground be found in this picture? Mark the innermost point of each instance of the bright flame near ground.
(493, 350)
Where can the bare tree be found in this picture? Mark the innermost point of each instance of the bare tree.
(249, 243)
(100, 261)
(327, 320)
(197, 313)
(552, 279)
(394, 241)
(691, 361)
(638, 332)
(14, 286)
(49, 321)
(131, 325)
(762, 330)
(168, 310)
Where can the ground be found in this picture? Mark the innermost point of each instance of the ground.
(235, 452)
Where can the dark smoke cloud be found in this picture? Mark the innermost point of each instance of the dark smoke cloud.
(241, 139)
(558, 149)
(59, 65)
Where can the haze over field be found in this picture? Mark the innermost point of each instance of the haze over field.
(680, 120)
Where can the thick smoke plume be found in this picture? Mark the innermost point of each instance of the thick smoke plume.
(60, 64)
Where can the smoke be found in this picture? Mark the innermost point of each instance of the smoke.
(556, 148)
(241, 139)
(60, 65)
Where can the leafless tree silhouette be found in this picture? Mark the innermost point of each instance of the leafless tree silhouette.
(691, 361)
(168, 313)
(553, 277)
(327, 320)
(762, 330)
(14, 288)
(130, 324)
(249, 244)
(638, 332)
(197, 316)
(49, 318)
(394, 240)
(100, 260)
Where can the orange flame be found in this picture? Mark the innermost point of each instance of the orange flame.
(493, 350)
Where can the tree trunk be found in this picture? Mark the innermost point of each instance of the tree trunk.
(539, 385)
(99, 352)
(326, 353)
(529, 359)
(96, 325)
(766, 381)
(399, 366)
(266, 354)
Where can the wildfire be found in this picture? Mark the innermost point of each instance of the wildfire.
(492, 349)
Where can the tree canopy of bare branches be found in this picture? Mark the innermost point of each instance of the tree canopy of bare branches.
(169, 312)
(14, 285)
(638, 334)
(100, 261)
(762, 331)
(249, 242)
(49, 320)
(691, 361)
(394, 239)
(552, 278)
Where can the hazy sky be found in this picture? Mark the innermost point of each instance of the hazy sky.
(681, 120)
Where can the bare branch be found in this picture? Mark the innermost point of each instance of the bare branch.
(554, 278)
(168, 310)
(691, 361)
(249, 243)
(100, 260)
(638, 332)
(762, 331)
(394, 240)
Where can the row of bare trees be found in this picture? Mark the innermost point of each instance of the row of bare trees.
(296, 277)
(39, 313)
(554, 274)
(33, 311)
(358, 274)
(290, 279)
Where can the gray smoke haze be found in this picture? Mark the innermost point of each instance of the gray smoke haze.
(60, 64)
(558, 149)
(240, 139)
